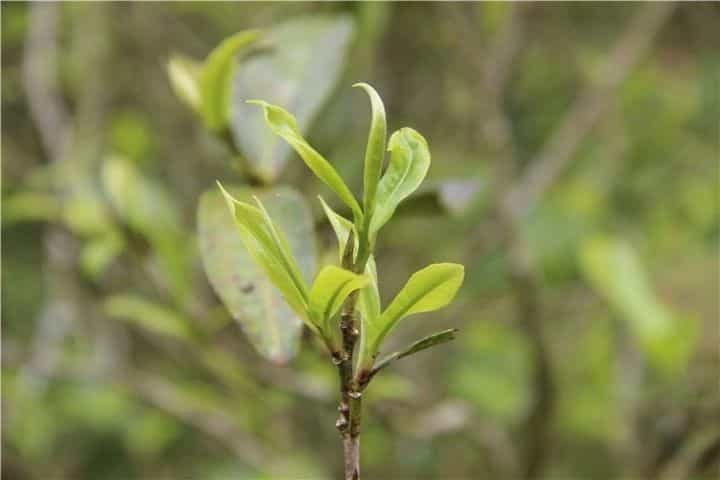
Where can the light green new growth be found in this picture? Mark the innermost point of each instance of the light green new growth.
(330, 306)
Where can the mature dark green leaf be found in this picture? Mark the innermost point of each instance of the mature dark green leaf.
(409, 163)
(250, 296)
(299, 68)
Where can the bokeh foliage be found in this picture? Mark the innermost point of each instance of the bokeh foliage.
(119, 360)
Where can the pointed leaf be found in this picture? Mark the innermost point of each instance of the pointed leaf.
(216, 78)
(256, 304)
(409, 163)
(329, 291)
(428, 289)
(431, 340)
(299, 69)
(369, 306)
(270, 250)
(283, 124)
(375, 152)
(184, 74)
(342, 227)
(282, 249)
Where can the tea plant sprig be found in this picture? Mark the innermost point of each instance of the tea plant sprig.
(342, 306)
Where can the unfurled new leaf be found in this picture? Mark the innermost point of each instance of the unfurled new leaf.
(429, 289)
(184, 74)
(268, 246)
(343, 228)
(216, 79)
(409, 163)
(283, 124)
(330, 289)
(256, 304)
(282, 249)
(375, 151)
(369, 306)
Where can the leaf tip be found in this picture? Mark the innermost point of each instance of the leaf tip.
(261, 103)
(229, 199)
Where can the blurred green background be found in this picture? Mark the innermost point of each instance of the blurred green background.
(575, 174)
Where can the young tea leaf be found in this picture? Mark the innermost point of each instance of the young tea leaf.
(283, 124)
(428, 289)
(375, 152)
(409, 163)
(282, 249)
(369, 306)
(216, 78)
(269, 248)
(329, 291)
(343, 228)
(253, 300)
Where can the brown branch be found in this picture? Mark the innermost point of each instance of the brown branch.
(350, 408)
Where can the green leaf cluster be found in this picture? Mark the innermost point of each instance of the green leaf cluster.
(269, 248)
(280, 64)
(429, 289)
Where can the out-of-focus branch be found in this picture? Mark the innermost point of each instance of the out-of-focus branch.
(215, 423)
(495, 70)
(39, 72)
(686, 461)
(589, 107)
(48, 112)
(519, 196)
